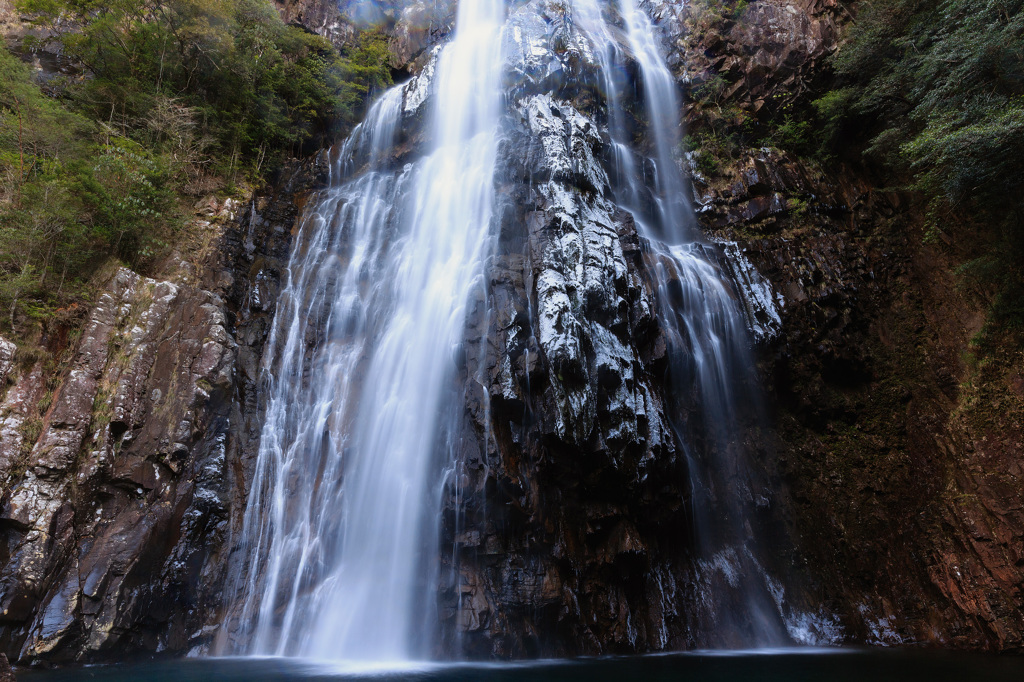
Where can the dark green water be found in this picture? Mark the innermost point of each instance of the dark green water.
(819, 665)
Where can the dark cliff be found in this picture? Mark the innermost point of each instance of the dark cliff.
(897, 446)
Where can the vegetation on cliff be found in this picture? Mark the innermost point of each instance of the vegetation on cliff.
(935, 93)
(173, 99)
(929, 95)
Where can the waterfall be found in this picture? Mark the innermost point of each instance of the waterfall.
(338, 521)
(339, 532)
(697, 309)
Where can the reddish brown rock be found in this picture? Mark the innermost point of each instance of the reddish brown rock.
(898, 462)
(767, 55)
(127, 460)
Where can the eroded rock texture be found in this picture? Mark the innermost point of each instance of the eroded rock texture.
(902, 472)
(896, 457)
(767, 53)
(324, 17)
(569, 505)
(577, 474)
(125, 476)
(108, 518)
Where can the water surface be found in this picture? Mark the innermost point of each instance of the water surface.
(819, 665)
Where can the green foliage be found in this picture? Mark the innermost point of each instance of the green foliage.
(719, 10)
(711, 90)
(249, 88)
(713, 150)
(791, 135)
(46, 154)
(739, 8)
(974, 159)
(128, 193)
(939, 89)
(832, 113)
(179, 98)
(798, 207)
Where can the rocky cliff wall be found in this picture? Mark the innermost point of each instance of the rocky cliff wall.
(114, 482)
(124, 467)
(897, 452)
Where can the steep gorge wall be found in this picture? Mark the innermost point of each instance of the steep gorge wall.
(113, 489)
(124, 475)
(897, 452)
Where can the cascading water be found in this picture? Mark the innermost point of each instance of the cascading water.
(339, 516)
(698, 310)
(339, 529)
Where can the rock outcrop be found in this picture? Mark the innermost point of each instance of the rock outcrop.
(766, 53)
(576, 465)
(882, 422)
(412, 26)
(107, 522)
(324, 17)
(570, 509)
(124, 467)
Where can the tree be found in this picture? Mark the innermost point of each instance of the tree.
(940, 88)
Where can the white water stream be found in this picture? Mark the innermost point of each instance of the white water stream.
(336, 527)
(698, 310)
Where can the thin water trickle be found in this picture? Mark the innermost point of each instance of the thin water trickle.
(698, 309)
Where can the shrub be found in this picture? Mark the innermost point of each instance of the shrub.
(180, 97)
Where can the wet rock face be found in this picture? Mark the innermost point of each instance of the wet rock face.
(121, 491)
(574, 480)
(107, 527)
(253, 268)
(7, 350)
(582, 287)
(18, 407)
(418, 26)
(567, 510)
